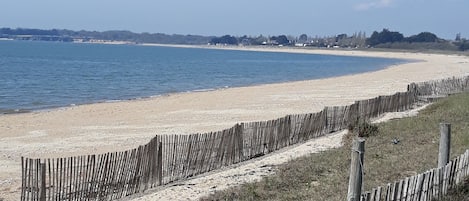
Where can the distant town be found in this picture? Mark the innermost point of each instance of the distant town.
(382, 39)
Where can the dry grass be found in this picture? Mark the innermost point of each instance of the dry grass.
(460, 193)
(324, 176)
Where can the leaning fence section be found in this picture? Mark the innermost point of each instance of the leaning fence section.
(440, 87)
(170, 158)
(94, 177)
(432, 184)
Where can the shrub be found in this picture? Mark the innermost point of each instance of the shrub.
(366, 129)
(363, 128)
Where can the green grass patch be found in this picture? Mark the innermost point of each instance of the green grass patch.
(324, 176)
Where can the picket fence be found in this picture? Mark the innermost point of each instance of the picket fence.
(170, 158)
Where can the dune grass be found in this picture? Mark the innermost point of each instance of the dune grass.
(460, 193)
(324, 176)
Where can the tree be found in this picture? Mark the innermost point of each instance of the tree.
(226, 39)
(385, 36)
(303, 38)
(458, 37)
(424, 37)
(463, 44)
(259, 40)
(374, 39)
(281, 40)
(340, 37)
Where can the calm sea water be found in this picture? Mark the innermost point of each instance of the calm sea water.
(40, 75)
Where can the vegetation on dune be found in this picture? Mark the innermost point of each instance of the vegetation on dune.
(394, 150)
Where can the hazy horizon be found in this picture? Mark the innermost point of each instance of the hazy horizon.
(216, 18)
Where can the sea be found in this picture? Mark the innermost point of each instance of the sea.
(44, 75)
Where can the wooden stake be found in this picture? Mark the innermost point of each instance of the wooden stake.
(356, 170)
(42, 188)
(445, 144)
(160, 163)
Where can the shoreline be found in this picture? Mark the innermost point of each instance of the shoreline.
(64, 107)
(410, 58)
(113, 126)
(287, 50)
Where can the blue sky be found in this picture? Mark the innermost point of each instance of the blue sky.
(251, 17)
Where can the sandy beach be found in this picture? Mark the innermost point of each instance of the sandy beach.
(116, 126)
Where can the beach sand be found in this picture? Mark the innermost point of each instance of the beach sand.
(117, 126)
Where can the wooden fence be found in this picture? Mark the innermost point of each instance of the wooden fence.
(429, 185)
(104, 176)
(170, 158)
(440, 87)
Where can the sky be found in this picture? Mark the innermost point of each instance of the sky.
(445, 18)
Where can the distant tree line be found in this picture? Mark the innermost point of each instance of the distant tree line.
(387, 36)
(34, 34)
(69, 35)
(19, 31)
(423, 40)
(382, 39)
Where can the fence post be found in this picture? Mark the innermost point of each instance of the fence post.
(356, 170)
(42, 187)
(160, 163)
(445, 144)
